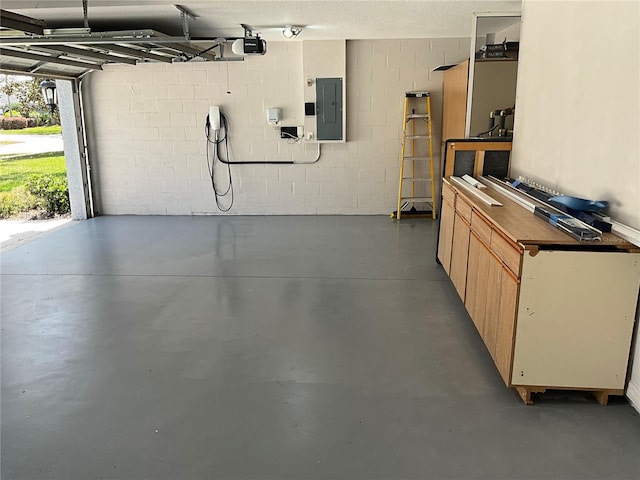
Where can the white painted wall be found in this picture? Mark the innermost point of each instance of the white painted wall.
(509, 34)
(323, 59)
(578, 107)
(148, 123)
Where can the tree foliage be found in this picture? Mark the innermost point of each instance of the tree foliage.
(30, 98)
(27, 94)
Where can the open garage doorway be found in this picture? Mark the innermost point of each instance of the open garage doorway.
(43, 168)
(33, 174)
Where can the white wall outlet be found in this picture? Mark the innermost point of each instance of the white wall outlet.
(273, 116)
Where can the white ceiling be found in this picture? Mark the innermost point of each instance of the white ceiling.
(323, 19)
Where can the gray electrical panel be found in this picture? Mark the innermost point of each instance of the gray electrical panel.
(329, 108)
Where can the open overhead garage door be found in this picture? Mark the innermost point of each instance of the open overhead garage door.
(28, 47)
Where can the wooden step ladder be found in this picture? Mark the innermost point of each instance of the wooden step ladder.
(416, 137)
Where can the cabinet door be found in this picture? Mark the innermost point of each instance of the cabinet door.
(492, 296)
(472, 275)
(476, 292)
(505, 327)
(459, 255)
(493, 277)
(446, 235)
(575, 319)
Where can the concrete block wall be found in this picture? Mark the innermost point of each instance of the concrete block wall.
(147, 144)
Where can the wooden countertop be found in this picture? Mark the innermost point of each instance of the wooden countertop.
(523, 226)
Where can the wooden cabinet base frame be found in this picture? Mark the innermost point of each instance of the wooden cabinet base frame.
(602, 396)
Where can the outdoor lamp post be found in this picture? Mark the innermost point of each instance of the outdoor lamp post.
(48, 89)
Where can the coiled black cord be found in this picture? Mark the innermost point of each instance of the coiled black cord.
(212, 158)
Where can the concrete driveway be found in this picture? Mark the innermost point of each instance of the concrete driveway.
(30, 144)
(16, 232)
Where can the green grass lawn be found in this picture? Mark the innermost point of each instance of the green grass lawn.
(15, 171)
(47, 130)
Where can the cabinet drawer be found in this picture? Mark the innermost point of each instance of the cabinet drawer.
(508, 252)
(448, 194)
(464, 209)
(481, 227)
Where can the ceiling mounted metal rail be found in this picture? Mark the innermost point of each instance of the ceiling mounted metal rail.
(185, 14)
(9, 69)
(21, 23)
(138, 53)
(45, 58)
(97, 39)
(133, 36)
(27, 46)
(93, 54)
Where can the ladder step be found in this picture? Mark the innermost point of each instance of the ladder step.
(417, 199)
(413, 179)
(417, 136)
(416, 158)
(413, 116)
(416, 94)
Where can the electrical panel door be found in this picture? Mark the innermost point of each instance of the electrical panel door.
(329, 108)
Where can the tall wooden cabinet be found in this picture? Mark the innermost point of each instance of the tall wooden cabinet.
(553, 313)
(454, 111)
(492, 88)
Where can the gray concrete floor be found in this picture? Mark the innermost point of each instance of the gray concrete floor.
(269, 348)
